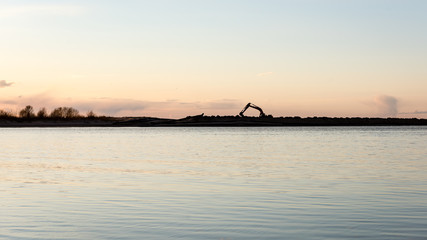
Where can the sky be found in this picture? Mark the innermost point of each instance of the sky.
(170, 58)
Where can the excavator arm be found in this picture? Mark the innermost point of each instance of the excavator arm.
(261, 113)
(244, 109)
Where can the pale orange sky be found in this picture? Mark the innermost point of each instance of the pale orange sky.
(179, 58)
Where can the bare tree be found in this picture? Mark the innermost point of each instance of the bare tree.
(64, 112)
(27, 112)
(57, 113)
(6, 114)
(71, 112)
(91, 114)
(42, 113)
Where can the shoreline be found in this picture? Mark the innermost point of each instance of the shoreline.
(209, 121)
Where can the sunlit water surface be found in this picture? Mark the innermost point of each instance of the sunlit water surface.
(214, 183)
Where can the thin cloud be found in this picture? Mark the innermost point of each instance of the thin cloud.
(43, 10)
(387, 105)
(263, 74)
(415, 112)
(4, 84)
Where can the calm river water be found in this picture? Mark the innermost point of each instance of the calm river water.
(214, 183)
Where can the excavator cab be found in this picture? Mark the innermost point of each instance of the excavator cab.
(261, 113)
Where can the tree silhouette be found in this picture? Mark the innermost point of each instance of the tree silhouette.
(42, 113)
(64, 112)
(56, 113)
(27, 112)
(91, 114)
(6, 114)
(71, 113)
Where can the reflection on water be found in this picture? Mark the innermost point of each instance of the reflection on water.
(214, 183)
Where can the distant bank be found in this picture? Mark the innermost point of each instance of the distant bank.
(207, 121)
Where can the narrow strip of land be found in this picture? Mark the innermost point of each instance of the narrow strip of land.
(208, 121)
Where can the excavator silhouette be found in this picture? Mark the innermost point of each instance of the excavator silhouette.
(261, 113)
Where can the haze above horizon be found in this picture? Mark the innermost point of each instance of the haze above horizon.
(178, 58)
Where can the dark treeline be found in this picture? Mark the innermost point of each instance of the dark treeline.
(57, 113)
(70, 117)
